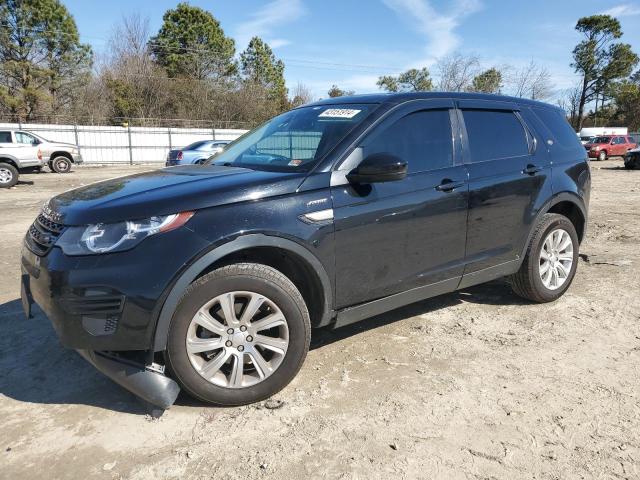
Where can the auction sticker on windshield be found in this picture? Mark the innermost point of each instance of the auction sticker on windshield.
(339, 113)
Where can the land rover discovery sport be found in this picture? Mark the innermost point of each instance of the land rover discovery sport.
(210, 277)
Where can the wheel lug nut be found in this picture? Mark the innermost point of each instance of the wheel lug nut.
(243, 328)
(230, 331)
(249, 338)
(240, 348)
(228, 343)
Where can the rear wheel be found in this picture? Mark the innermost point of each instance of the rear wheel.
(551, 260)
(60, 165)
(8, 175)
(239, 335)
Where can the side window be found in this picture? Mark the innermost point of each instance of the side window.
(5, 137)
(559, 127)
(629, 140)
(422, 139)
(494, 134)
(25, 138)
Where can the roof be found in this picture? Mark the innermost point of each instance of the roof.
(396, 98)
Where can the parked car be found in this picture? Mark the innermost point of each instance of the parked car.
(57, 155)
(610, 146)
(587, 139)
(211, 277)
(632, 159)
(198, 152)
(16, 158)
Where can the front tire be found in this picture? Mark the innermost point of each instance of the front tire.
(60, 165)
(550, 263)
(8, 175)
(602, 156)
(239, 335)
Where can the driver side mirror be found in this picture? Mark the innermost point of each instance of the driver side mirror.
(377, 168)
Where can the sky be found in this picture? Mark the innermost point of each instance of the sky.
(351, 43)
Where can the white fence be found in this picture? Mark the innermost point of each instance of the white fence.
(113, 144)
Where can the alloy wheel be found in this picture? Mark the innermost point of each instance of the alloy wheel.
(237, 339)
(5, 175)
(556, 259)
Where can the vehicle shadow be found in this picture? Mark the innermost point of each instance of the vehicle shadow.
(497, 292)
(37, 369)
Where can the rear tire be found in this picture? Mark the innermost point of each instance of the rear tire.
(8, 175)
(559, 260)
(227, 362)
(60, 165)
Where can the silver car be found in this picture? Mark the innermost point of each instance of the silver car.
(196, 153)
(57, 155)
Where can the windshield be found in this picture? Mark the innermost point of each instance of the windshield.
(602, 140)
(586, 139)
(196, 145)
(296, 140)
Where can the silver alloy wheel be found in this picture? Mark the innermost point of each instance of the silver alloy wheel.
(238, 339)
(5, 175)
(63, 165)
(556, 259)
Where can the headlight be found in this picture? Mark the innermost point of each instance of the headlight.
(117, 237)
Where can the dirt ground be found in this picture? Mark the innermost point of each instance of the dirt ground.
(476, 384)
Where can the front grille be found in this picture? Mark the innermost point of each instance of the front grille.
(42, 235)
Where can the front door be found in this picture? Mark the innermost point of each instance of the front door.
(394, 236)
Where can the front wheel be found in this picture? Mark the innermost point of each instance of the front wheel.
(602, 156)
(239, 335)
(550, 262)
(60, 165)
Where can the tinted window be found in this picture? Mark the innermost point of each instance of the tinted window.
(629, 140)
(494, 134)
(557, 123)
(5, 137)
(196, 145)
(422, 139)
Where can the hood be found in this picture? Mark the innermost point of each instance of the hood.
(167, 191)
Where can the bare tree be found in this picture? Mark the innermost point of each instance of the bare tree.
(456, 72)
(569, 101)
(301, 94)
(531, 81)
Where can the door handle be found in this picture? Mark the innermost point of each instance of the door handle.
(449, 185)
(531, 169)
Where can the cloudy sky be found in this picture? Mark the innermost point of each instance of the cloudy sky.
(352, 42)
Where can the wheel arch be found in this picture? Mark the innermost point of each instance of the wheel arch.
(61, 153)
(9, 161)
(565, 203)
(292, 259)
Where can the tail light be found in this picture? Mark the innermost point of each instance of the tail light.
(179, 156)
(39, 155)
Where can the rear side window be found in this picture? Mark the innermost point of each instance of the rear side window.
(5, 137)
(494, 134)
(422, 139)
(557, 124)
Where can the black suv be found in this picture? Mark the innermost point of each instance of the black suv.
(213, 275)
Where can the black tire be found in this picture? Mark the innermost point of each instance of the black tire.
(251, 277)
(8, 175)
(602, 156)
(527, 283)
(60, 164)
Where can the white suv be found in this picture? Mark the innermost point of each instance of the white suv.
(16, 157)
(59, 156)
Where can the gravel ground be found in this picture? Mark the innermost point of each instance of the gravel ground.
(475, 384)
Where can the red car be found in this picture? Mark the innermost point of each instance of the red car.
(610, 146)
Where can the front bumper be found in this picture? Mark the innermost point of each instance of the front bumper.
(77, 158)
(107, 302)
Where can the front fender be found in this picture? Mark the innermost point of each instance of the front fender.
(240, 243)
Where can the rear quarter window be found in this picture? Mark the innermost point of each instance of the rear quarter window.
(494, 134)
(563, 135)
(5, 137)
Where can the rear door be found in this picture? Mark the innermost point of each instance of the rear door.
(509, 178)
(394, 236)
